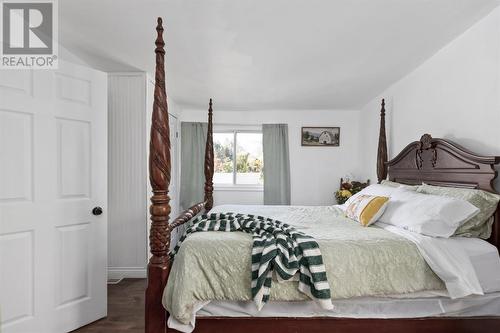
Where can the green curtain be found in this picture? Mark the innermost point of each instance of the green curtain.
(193, 141)
(276, 164)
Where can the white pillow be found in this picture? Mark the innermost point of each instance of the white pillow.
(427, 214)
(373, 190)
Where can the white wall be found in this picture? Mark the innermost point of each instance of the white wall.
(315, 171)
(127, 175)
(454, 95)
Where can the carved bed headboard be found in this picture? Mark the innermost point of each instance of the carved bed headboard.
(439, 162)
(444, 163)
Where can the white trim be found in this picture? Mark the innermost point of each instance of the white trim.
(239, 188)
(235, 157)
(126, 272)
(239, 128)
(114, 281)
(138, 73)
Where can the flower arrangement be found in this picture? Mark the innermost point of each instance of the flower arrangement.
(348, 188)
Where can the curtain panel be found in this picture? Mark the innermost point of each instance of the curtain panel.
(193, 141)
(276, 164)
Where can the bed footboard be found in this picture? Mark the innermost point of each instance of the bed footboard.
(159, 269)
(188, 214)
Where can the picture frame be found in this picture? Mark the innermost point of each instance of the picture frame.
(320, 136)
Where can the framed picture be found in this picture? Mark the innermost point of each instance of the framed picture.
(321, 136)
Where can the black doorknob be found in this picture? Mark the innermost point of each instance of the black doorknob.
(97, 211)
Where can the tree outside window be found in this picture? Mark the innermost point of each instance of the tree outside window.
(238, 158)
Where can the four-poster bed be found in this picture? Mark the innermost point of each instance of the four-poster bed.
(435, 161)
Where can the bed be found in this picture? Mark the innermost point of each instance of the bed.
(430, 160)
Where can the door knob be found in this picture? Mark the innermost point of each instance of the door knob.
(97, 211)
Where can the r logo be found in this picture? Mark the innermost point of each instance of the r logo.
(27, 28)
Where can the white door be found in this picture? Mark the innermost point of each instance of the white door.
(53, 169)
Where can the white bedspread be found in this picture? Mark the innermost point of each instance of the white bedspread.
(446, 256)
(451, 260)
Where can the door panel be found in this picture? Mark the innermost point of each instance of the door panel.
(73, 274)
(20, 82)
(73, 158)
(16, 150)
(20, 281)
(73, 89)
(53, 168)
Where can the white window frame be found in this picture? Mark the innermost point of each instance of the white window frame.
(235, 130)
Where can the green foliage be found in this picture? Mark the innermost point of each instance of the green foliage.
(242, 163)
(224, 160)
(245, 164)
(223, 157)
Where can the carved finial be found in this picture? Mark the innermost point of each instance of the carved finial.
(209, 161)
(160, 43)
(382, 147)
(210, 113)
(425, 141)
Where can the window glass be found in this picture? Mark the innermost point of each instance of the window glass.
(246, 168)
(249, 160)
(224, 158)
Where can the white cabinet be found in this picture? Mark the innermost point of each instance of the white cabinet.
(130, 106)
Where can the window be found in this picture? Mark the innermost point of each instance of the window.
(238, 158)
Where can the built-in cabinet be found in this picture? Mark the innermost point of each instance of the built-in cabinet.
(130, 106)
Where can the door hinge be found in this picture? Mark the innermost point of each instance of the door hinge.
(176, 134)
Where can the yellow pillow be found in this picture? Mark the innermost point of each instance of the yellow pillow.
(366, 209)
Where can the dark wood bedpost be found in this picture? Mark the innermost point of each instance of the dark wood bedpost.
(159, 176)
(495, 232)
(209, 162)
(382, 147)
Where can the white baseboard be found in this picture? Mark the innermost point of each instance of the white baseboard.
(126, 272)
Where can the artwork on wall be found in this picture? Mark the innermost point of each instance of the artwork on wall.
(321, 136)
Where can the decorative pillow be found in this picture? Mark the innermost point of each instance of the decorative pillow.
(427, 214)
(478, 226)
(366, 209)
(375, 189)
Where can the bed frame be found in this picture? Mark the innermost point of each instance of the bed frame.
(435, 161)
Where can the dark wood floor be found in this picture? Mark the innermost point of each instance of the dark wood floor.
(125, 309)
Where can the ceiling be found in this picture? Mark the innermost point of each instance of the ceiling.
(269, 54)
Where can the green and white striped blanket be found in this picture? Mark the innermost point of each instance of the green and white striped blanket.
(277, 247)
